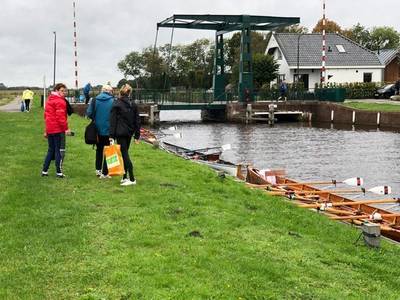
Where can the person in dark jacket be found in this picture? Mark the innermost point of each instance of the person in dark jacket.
(125, 124)
(86, 92)
(99, 111)
(55, 115)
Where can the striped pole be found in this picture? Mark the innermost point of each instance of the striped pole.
(75, 51)
(323, 69)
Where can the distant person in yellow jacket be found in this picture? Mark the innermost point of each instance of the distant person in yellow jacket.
(27, 96)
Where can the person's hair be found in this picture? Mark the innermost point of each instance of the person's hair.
(125, 90)
(59, 86)
(107, 88)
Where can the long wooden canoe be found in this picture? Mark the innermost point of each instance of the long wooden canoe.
(340, 208)
(210, 159)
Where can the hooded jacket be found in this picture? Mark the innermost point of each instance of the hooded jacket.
(100, 109)
(125, 119)
(55, 114)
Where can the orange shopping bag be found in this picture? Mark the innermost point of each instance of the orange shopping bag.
(115, 163)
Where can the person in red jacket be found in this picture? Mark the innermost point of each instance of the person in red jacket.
(55, 116)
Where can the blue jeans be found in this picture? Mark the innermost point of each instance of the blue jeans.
(53, 151)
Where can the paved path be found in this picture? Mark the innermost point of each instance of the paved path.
(13, 106)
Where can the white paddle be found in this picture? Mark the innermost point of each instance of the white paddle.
(354, 181)
(381, 190)
(223, 148)
(173, 128)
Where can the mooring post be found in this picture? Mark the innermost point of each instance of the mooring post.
(248, 113)
(372, 234)
(271, 114)
(154, 115)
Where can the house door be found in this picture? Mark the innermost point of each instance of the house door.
(304, 78)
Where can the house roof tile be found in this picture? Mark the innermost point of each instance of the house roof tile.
(310, 50)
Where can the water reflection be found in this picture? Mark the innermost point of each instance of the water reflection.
(318, 152)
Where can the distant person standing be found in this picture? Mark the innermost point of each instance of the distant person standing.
(27, 96)
(99, 110)
(86, 92)
(283, 90)
(55, 115)
(125, 123)
(397, 87)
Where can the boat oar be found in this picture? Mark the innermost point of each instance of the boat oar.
(354, 181)
(223, 148)
(374, 217)
(347, 203)
(301, 192)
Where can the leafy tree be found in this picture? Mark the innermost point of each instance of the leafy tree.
(359, 34)
(330, 26)
(265, 69)
(132, 64)
(384, 38)
(377, 38)
(293, 29)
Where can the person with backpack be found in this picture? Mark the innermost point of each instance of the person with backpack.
(86, 92)
(99, 111)
(125, 124)
(283, 90)
(56, 120)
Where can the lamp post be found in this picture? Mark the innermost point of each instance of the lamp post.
(54, 62)
(298, 62)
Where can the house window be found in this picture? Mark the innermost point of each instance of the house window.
(340, 48)
(278, 54)
(281, 77)
(367, 77)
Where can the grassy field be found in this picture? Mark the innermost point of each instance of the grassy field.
(181, 233)
(382, 107)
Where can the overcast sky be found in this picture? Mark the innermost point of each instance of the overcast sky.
(110, 29)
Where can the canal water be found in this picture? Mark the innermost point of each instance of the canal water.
(306, 152)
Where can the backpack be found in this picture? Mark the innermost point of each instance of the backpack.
(91, 135)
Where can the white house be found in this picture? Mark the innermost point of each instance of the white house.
(299, 57)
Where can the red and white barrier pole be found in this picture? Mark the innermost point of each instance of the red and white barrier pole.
(323, 67)
(75, 52)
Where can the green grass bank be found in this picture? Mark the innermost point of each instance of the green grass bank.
(83, 238)
(382, 107)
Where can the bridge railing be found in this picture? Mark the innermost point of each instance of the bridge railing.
(175, 97)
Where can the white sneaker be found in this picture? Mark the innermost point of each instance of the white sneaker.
(102, 176)
(128, 182)
(98, 173)
(123, 180)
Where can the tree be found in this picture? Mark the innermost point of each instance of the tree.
(132, 64)
(384, 38)
(377, 38)
(293, 29)
(359, 34)
(265, 69)
(330, 26)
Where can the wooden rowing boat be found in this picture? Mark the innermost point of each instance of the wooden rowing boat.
(147, 136)
(337, 206)
(210, 159)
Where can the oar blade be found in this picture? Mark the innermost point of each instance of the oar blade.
(381, 190)
(354, 181)
(173, 128)
(177, 135)
(226, 147)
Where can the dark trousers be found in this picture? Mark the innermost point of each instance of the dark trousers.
(27, 102)
(87, 98)
(125, 143)
(104, 140)
(54, 141)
